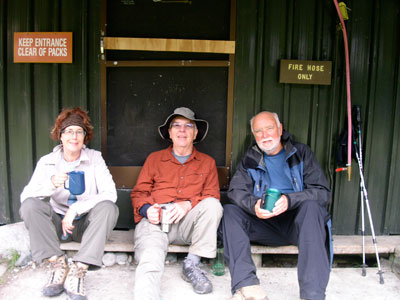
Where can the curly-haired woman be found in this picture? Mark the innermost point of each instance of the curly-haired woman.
(48, 215)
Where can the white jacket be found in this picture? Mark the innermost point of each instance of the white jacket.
(98, 181)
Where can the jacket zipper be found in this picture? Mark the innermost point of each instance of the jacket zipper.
(295, 184)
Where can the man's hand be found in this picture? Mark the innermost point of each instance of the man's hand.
(179, 210)
(280, 207)
(153, 214)
(67, 222)
(262, 213)
(59, 179)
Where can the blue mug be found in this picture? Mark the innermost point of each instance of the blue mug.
(76, 182)
(76, 186)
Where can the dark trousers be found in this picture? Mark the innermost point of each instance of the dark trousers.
(303, 226)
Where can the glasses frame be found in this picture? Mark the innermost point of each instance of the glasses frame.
(72, 133)
(178, 125)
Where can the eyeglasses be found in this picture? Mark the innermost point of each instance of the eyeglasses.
(177, 125)
(71, 133)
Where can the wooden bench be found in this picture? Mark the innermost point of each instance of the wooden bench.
(122, 241)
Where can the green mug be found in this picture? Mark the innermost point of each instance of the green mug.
(270, 197)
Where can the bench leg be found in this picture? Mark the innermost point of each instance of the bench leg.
(257, 259)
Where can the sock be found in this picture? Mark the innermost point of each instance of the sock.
(81, 265)
(194, 258)
(53, 258)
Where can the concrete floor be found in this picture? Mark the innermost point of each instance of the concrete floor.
(280, 283)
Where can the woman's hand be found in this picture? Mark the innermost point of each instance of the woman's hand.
(69, 217)
(59, 179)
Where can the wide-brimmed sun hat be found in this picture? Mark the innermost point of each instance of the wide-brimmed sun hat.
(202, 125)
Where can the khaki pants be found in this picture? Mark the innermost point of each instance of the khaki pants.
(198, 229)
(91, 230)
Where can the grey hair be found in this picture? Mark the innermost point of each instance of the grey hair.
(278, 123)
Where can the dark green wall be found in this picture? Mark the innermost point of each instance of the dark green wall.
(31, 95)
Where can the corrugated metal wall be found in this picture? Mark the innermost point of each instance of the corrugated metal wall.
(268, 31)
(31, 95)
(375, 48)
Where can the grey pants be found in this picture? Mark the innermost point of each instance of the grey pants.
(197, 229)
(91, 230)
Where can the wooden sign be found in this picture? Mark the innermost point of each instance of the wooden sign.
(305, 72)
(43, 47)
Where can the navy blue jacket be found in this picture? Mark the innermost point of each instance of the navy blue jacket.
(251, 179)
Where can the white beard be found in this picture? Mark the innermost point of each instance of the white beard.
(271, 148)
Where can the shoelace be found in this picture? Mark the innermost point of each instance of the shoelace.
(57, 266)
(197, 273)
(78, 273)
(59, 263)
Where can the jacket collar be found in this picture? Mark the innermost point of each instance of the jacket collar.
(287, 142)
(58, 150)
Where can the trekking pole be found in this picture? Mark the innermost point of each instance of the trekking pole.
(364, 265)
(371, 223)
(357, 121)
(364, 197)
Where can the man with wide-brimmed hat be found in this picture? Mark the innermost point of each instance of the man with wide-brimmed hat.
(180, 186)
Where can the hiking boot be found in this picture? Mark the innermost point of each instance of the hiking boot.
(59, 271)
(251, 292)
(193, 274)
(74, 284)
